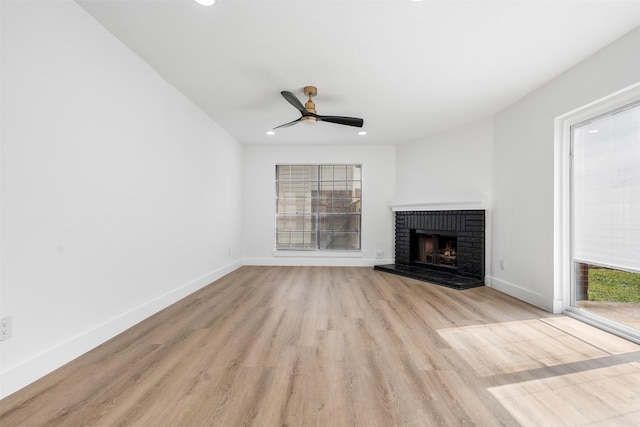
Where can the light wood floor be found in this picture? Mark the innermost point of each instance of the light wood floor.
(324, 346)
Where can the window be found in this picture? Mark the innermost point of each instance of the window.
(606, 190)
(318, 207)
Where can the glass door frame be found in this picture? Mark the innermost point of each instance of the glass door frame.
(564, 274)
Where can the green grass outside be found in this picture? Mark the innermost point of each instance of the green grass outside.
(613, 285)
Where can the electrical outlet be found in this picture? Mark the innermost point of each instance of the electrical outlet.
(501, 264)
(379, 254)
(5, 328)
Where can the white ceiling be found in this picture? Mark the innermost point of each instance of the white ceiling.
(409, 69)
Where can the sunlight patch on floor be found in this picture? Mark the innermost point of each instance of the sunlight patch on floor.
(612, 393)
(500, 348)
(554, 368)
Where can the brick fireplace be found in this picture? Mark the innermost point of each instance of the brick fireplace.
(446, 247)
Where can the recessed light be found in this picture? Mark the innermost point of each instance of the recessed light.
(362, 132)
(270, 132)
(593, 131)
(206, 2)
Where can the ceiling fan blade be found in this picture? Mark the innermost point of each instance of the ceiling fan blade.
(286, 125)
(349, 121)
(293, 100)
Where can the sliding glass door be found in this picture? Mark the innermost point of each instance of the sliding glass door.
(605, 228)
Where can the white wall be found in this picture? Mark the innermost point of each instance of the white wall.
(454, 166)
(119, 196)
(523, 165)
(378, 183)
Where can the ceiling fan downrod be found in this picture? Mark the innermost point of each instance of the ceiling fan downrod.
(310, 106)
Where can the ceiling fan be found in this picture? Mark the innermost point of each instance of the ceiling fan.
(308, 111)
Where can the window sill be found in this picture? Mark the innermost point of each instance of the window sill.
(317, 254)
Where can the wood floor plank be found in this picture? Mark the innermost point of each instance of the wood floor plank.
(339, 346)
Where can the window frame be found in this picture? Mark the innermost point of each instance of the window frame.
(319, 210)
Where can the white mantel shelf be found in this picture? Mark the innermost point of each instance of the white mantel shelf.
(443, 206)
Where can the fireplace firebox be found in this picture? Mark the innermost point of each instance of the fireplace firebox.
(442, 247)
(433, 248)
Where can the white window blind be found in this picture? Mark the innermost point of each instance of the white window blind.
(606, 190)
(318, 207)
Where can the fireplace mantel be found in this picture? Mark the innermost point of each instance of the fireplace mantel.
(437, 206)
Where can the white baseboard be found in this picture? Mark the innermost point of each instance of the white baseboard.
(28, 371)
(548, 304)
(323, 261)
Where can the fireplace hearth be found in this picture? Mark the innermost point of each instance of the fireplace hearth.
(442, 247)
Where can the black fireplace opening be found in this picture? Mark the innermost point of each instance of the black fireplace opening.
(434, 248)
(442, 247)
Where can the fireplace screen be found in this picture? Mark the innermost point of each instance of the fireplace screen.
(436, 249)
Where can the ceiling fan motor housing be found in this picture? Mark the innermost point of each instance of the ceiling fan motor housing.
(310, 106)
